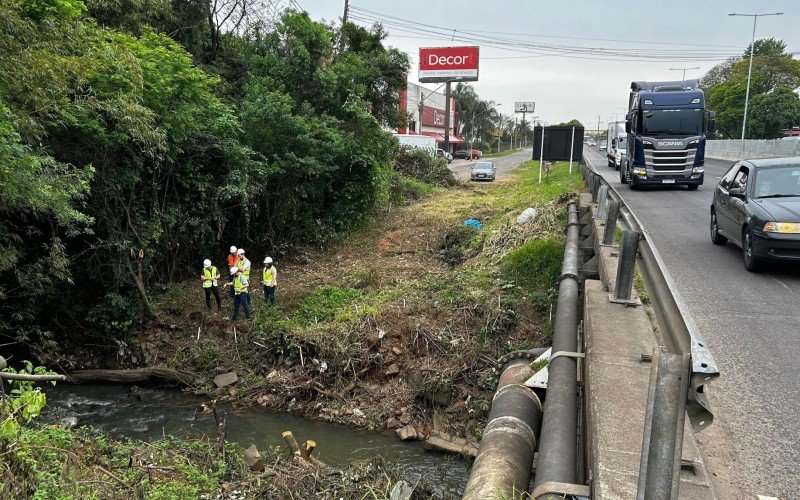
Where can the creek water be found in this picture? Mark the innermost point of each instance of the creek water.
(171, 412)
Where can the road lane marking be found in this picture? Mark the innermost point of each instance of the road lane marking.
(781, 283)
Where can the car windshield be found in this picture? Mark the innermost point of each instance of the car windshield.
(482, 166)
(672, 122)
(776, 182)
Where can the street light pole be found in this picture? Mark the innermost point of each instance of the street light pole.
(750, 68)
(683, 78)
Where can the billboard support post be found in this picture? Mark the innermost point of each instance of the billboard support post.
(541, 156)
(571, 149)
(447, 117)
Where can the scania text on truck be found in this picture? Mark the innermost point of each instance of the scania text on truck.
(616, 151)
(666, 125)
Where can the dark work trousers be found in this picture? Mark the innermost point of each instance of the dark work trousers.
(242, 299)
(269, 294)
(230, 280)
(215, 291)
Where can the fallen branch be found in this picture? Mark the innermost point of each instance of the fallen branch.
(33, 378)
(115, 478)
(133, 375)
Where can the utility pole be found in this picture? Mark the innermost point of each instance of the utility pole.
(598, 126)
(750, 69)
(344, 21)
(683, 78)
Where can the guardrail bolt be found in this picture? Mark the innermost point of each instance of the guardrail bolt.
(611, 222)
(627, 261)
(602, 198)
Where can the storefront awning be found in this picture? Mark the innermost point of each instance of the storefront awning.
(436, 136)
(454, 139)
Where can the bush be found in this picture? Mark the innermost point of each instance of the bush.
(418, 164)
(535, 266)
(115, 315)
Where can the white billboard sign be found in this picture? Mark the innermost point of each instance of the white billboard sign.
(524, 107)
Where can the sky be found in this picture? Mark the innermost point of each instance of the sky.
(684, 33)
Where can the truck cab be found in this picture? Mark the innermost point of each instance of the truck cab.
(666, 130)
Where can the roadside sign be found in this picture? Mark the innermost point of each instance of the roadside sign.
(442, 64)
(524, 107)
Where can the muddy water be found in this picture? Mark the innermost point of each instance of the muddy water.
(168, 412)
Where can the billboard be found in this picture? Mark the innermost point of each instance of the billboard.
(442, 64)
(524, 107)
(433, 117)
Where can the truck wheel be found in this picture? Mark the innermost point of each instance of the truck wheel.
(622, 178)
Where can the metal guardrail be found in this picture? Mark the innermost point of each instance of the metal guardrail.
(679, 330)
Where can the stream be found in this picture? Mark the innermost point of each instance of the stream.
(171, 412)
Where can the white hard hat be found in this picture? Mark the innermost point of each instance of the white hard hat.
(268, 260)
(234, 270)
(206, 263)
(233, 249)
(240, 251)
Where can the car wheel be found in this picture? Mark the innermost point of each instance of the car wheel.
(693, 187)
(751, 262)
(716, 238)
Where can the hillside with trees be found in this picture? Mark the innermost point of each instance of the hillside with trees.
(137, 138)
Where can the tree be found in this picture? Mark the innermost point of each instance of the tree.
(479, 118)
(775, 77)
(574, 122)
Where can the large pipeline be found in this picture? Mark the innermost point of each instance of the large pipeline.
(502, 467)
(557, 462)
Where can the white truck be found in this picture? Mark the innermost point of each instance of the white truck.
(423, 142)
(616, 148)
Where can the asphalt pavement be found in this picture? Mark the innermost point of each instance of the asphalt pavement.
(751, 323)
(503, 164)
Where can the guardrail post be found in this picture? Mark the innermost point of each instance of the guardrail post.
(602, 198)
(662, 443)
(594, 185)
(611, 222)
(625, 266)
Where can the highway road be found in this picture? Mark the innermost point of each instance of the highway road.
(504, 164)
(751, 323)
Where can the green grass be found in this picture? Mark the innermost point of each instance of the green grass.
(527, 191)
(502, 153)
(534, 266)
(51, 462)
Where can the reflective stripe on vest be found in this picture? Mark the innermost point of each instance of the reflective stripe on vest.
(210, 273)
(238, 286)
(241, 265)
(267, 276)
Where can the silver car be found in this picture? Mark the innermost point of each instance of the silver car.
(483, 171)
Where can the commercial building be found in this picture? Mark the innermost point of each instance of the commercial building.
(426, 115)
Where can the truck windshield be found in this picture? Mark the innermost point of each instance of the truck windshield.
(672, 122)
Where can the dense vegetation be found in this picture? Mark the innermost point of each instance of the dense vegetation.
(774, 103)
(138, 137)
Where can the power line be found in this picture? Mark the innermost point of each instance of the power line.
(533, 49)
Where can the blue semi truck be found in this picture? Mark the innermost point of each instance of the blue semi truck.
(666, 125)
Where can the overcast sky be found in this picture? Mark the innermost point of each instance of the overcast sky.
(571, 87)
